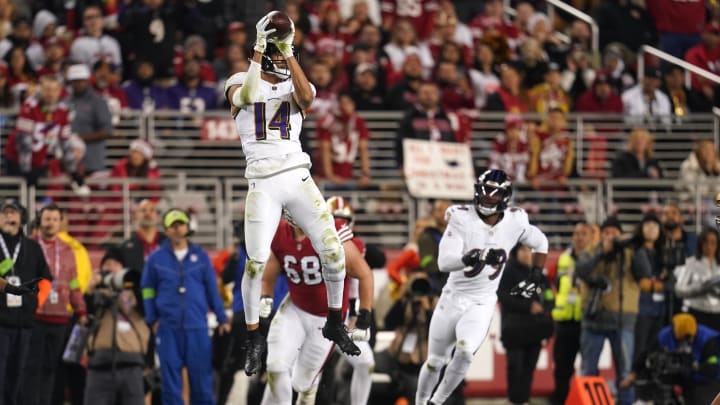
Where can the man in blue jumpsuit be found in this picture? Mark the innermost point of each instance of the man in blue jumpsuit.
(179, 286)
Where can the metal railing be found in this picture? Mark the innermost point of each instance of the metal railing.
(595, 29)
(689, 67)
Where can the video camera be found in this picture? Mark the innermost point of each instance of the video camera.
(125, 279)
(664, 370)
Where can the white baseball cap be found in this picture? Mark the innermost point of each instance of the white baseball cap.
(78, 72)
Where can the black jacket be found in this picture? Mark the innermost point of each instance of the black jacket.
(30, 265)
(132, 251)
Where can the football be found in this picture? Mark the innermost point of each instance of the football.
(281, 22)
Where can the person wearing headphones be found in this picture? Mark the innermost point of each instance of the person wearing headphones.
(22, 263)
(178, 287)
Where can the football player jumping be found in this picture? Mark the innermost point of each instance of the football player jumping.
(267, 103)
(296, 350)
(474, 249)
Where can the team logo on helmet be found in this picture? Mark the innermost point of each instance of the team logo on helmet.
(492, 192)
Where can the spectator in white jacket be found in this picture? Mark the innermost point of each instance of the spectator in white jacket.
(700, 172)
(645, 103)
(698, 281)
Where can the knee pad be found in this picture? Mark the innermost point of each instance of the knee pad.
(463, 355)
(333, 262)
(254, 268)
(435, 362)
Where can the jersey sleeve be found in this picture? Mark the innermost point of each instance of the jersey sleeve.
(343, 230)
(452, 243)
(237, 78)
(531, 235)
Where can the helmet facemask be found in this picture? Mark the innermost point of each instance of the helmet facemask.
(274, 63)
(492, 192)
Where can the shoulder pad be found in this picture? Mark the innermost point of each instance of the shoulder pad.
(519, 214)
(237, 78)
(456, 209)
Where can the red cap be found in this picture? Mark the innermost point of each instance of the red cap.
(236, 26)
(513, 121)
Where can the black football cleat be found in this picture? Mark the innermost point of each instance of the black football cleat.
(255, 351)
(338, 333)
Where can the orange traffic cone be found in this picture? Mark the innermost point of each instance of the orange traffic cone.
(589, 391)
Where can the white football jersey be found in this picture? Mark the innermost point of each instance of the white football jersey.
(270, 130)
(466, 231)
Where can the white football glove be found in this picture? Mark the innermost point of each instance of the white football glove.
(266, 305)
(262, 32)
(361, 331)
(360, 335)
(284, 45)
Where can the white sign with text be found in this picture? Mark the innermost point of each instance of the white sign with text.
(438, 169)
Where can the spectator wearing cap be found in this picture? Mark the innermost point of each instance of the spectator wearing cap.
(139, 165)
(343, 138)
(179, 288)
(191, 94)
(7, 98)
(509, 97)
(645, 102)
(601, 98)
(482, 74)
(610, 295)
(678, 23)
(142, 93)
(706, 55)
(621, 78)
(327, 53)
(22, 261)
(685, 100)
(95, 45)
(105, 80)
(404, 93)
(43, 29)
(146, 237)
(427, 120)
(195, 48)
(510, 149)
(550, 94)
(366, 92)
(237, 34)
(53, 59)
(92, 120)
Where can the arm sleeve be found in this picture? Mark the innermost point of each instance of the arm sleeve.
(211, 291)
(148, 283)
(532, 236)
(451, 247)
(688, 286)
(587, 262)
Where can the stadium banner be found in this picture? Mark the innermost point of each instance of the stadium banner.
(438, 169)
(218, 130)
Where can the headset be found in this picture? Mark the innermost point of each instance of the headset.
(179, 214)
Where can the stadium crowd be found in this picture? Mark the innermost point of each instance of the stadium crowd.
(73, 67)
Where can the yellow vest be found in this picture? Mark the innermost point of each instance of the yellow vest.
(82, 260)
(568, 305)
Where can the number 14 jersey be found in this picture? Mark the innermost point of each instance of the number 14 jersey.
(270, 130)
(302, 267)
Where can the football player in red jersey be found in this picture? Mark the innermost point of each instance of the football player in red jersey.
(296, 363)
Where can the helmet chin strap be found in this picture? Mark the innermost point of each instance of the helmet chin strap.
(282, 76)
(484, 211)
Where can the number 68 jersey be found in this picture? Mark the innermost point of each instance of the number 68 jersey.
(301, 265)
(270, 130)
(466, 231)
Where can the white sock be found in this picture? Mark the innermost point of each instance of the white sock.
(360, 385)
(251, 292)
(454, 374)
(427, 380)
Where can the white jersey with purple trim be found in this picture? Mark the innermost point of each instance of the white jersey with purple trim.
(466, 231)
(270, 130)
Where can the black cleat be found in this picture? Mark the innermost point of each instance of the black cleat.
(255, 351)
(338, 333)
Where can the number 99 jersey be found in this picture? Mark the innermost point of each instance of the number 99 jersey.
(302, 267)
(270, 130)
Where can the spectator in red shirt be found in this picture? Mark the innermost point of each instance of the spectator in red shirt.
(678, 23)
(456, 92)
(41, 126)
(140, 164)
(105, 80)
(707, 56)
(420, 13)
(509, 97)
(343, 138)
(601, 98)
(552, 153)
(54, 58)
(493, 19)
(510, 149)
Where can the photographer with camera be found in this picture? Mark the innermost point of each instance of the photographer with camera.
(526, 322)
(117, 343)
(685, 354)
(610, 296)
(410, 318)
